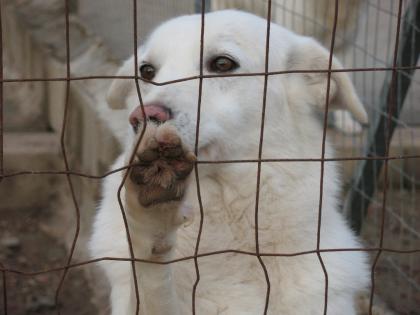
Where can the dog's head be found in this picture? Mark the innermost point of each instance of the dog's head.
(231, 106)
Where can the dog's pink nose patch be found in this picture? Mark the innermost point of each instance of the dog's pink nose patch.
(154, 112)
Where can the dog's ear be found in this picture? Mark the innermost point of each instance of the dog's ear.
(119, 88)
(310, 55)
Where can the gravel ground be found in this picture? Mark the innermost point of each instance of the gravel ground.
(26, 244)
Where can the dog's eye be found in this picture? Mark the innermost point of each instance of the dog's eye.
(222, 64)
(147, 72)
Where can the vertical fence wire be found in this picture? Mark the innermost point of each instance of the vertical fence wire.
(4, 273)
(131, 159)
(196, 173)
(4, 284)
(65, 158)
(260, 148)
(1, 95)
(324, 138)
(392, 101)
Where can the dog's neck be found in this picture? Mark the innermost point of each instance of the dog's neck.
(229, 205)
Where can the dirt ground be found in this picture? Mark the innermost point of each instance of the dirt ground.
(397, 275)
(26, 244)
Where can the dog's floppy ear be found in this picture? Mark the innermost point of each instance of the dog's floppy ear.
(310, 55)
(119, 88)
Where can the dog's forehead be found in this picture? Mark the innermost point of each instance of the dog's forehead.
(229, 26)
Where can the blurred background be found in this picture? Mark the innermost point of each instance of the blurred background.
(38, 224)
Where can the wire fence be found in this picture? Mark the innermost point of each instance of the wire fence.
(378, 248)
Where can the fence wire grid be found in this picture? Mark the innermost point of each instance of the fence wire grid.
(378, 248)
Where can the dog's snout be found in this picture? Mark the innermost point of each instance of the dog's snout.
(154, 112)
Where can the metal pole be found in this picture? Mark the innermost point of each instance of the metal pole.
(367, 173)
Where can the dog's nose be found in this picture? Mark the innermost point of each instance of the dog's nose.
(155, 112)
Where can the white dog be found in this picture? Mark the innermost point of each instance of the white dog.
(160, 194)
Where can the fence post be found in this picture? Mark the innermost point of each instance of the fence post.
(365, 180)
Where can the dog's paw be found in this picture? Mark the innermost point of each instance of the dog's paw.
(162, 166)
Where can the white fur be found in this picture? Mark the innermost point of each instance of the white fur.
(230, 129)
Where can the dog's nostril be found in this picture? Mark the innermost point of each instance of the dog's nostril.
(155, 120)
(169, 113)
(154, 113)
(159, 116)
(134, 122)
(157, 113)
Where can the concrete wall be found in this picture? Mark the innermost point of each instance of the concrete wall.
(113, 20)
(93, 131)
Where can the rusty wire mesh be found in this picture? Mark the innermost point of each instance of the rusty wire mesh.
(378, 249)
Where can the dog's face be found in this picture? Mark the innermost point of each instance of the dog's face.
(231, 106)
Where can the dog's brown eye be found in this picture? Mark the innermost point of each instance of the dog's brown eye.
(223, 64)
(147, 72)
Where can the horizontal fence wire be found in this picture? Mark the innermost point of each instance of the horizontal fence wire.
(207, 254)
(209, 76)
(245, 161)
(69, 173)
